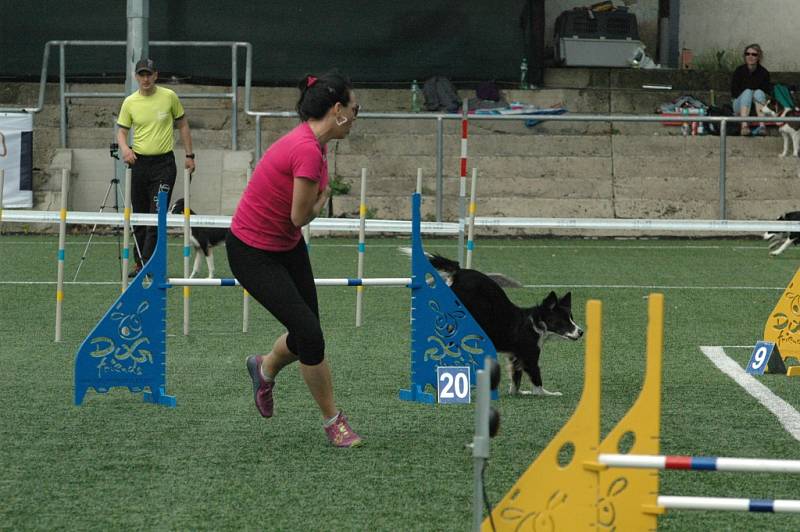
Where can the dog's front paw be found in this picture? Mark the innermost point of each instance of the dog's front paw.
(539, 390)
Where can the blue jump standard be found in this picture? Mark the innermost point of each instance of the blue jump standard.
(127, 347)
(443, 332)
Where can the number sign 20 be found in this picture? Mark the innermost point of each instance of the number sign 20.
(453, 384)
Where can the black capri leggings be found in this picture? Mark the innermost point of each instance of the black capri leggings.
(282, 281)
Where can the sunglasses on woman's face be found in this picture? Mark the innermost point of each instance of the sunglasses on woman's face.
(356, 108)
(753, 54)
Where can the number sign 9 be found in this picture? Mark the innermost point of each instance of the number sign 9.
(765, 357)
(453, 384)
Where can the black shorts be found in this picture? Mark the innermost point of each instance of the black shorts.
(282, 281)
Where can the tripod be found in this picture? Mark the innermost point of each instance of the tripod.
(114, 183)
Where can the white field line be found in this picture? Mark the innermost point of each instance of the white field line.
(788, 417)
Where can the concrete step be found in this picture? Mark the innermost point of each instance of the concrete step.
(676, 188)
(490, 166)
(398, 207)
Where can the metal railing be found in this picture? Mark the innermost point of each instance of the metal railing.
(63, 94)
(440, 117)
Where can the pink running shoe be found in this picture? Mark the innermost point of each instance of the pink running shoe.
(341, 435)
(262, 390)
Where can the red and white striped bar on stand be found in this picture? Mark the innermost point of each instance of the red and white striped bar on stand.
(671, 502)
(462, 181)
(700, 463)
(377, 281)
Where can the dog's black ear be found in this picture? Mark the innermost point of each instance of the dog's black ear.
(566, 301)
(551, 300)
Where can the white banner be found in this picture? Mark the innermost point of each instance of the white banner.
(16, 158)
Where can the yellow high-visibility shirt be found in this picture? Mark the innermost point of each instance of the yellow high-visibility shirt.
(152, 118)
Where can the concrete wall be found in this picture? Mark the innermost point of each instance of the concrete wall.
(733, 24)
(646, 12)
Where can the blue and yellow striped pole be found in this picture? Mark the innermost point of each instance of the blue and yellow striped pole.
(362, 217)
(62, 236)
(472, 209)
(2, 183)
(245, 294)
(187, 247)
(126, 229)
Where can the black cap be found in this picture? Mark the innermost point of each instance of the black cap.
(145, 65)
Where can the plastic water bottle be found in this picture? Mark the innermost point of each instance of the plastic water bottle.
(416, 104)
(523, 73)
(685, 129)
(701, 129)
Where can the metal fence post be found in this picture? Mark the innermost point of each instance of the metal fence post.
(439, 167)
(723, 155)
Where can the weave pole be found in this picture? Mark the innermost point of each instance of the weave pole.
(419, 181)
(472, 209)
(2, 183)
(62, 236)
(126, 229)
(245, 294)
(187, 246)
(462, 182)
(362, 221)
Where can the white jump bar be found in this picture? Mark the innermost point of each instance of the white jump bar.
(673, 502)
(377, 281)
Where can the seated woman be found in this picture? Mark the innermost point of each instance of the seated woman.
(750, 84)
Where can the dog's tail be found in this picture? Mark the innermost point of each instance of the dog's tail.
(448, 267)
(443, 264)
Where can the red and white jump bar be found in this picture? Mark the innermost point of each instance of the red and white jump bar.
(700, 463)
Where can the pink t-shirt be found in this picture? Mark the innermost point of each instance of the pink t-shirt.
(263, 217)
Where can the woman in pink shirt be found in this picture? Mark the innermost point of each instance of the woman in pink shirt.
(268, 255)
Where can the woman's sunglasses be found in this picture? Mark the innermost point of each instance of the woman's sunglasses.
(754, 54)
(356, 108)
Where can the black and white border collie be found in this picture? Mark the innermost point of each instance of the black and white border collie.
(203, 239)
(518, 332)
(778, 242)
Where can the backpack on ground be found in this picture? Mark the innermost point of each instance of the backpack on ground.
(440, 95)
(731, 129)
(783, 96)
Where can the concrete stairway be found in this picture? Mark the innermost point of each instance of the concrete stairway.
(555, 169)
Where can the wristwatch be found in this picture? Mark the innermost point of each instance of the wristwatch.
(190, 155)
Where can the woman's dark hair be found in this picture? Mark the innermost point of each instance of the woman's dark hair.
(317, 95)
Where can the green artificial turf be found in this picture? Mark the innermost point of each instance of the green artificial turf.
(212, 463)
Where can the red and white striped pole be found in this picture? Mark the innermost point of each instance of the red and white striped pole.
(462, 184)
(700, 463)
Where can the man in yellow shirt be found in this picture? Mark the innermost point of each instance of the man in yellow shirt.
(152, 111)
